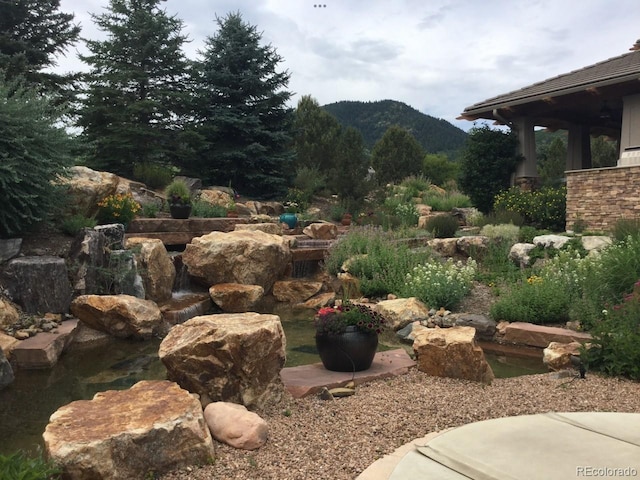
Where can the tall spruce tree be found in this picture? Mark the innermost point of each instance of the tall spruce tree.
(242, 113)
(316, 135)
(137, 98)
(396, 155)
(32, 34)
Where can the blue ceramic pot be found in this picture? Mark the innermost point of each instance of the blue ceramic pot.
(290, 219)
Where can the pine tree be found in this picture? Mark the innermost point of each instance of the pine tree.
(242, 113)
(32, 34)
(137, 99)
(396, 155)
(349, 177)
(316, 134)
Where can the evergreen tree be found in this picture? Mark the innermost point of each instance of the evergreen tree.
(316, 135)
(439, 169)
(396, 155)
(348, 177)
(137, 99)
(241, 112)
(33, 151)
(488, 161)
(32, 34)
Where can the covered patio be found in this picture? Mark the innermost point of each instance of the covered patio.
(600, 99)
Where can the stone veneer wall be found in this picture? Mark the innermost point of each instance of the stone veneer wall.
(601, 196)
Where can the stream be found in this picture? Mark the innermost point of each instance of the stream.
(34, 395)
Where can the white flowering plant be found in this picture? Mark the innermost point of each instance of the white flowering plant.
(441, 284)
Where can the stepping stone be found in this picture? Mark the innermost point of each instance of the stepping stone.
(541, 336)
(44, 349)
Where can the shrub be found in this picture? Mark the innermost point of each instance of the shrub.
(440, 284)
(615, 348)
(495, 265)
(74, 224)
(528, 233)
(200, 208)
(447, 202)
(20, 467)
(545, 208)
(537, 300)
(407, 214)
(498, 217)
(506, 232)
(625, 227)
(33, 152)
(415, 186)
(442, 226)
(149, 210)
(117, 208)
(178, 193)
(152, 175)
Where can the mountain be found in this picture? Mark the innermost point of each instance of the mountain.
(373, 118)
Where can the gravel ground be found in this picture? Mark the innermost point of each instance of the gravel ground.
(312, 439)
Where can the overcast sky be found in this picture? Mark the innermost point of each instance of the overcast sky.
(438, 56)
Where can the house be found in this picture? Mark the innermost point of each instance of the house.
(601, 99)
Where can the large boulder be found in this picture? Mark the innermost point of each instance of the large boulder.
(485, 326)
(234, 425)
(149, 429)
(156, 268)
(295, 291)
(557, 356)
(246, 256)
(229, 357)
(551, 241)
(235, 297)
(87, 187)
(9, 314)
(447, 247)
(401, 312)
(519, 253)
(122, 316)
(272, 228)
(321, 231)
(88, 255)
(472, 245)
(38, 284)
(451, 352)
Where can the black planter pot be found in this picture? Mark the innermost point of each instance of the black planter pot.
(351, 351)
(180, 211)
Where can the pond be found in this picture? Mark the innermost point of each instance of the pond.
(30, 400)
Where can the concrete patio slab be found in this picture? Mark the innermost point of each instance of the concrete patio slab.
(550, 446)
(309, 379)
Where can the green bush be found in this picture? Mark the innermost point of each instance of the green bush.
(149, 210)
(34, 150)
(152, 175)
(499, 217)
(528, 233)
(506, 232)
(18, 466)
(414, 186)
(442, 226)
(537, 300)
(625, 227)
(200, 208)
(117, 208)
(545, 208)
(494, 265)
(310, 180)
(178, 193)
(407, 214)
(378, 261)
(447, 202)
(74, 224)
(440, 284)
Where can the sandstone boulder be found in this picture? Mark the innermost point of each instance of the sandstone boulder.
(156, 268)
(234, 425)
(235, 297)
(295, 291)
(557, 356)
(245, 256)
(8, 343)
(318, 301)
(152, 428)
(447, 247)
(551, 241)
(472, 245)
(523, 333)
(321, 231)
(272, 228)
(9, 314)
(485, 327)
(87, 187)
(595, 242)
(216, 197)
(122, 316)
(402, 311)
(229, 357)
(451, 352)
(38, 284)
(519, 253)
(44, 349)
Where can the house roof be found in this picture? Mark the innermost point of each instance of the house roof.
(608, 80)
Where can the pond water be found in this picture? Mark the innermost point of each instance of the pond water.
(29, 401)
